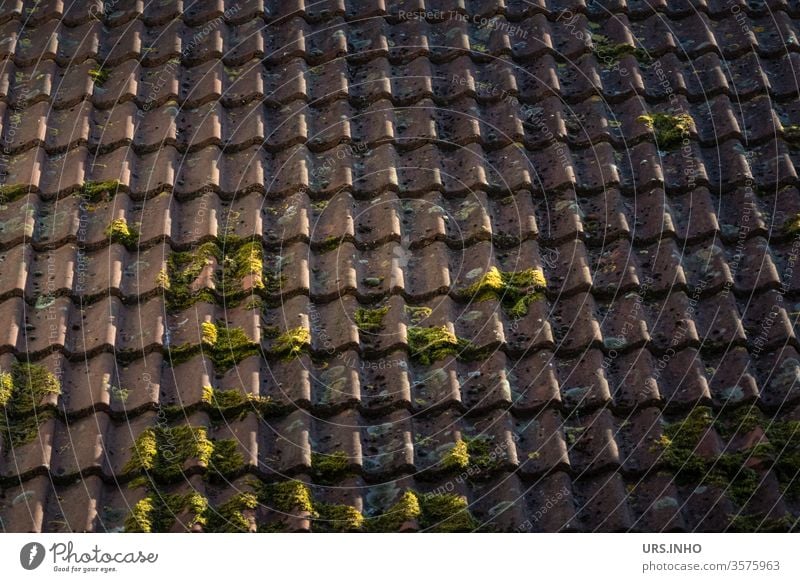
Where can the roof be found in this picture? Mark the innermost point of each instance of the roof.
(382, 266)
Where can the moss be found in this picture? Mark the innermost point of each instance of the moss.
(22, 392)
(246, 260)
(792, 225)
(337, 518)
(96, 191)
(11, 192)
(406, 509)
(669, 130)
(417, 314)
(292, 343)
(373, 281)
(227, 345)
(330, 243)
(183, 269)
(230, 516)
(157, 513)
(226, 460)
(481, 453)
(99, 75)
(760, 524)
(445, 513)
(457, 457)
(791, 133)
(161, 452)
(119, 231)
(430, 344)
(329, 468)
(225, 401)
(287, 496)
(516, 290)
(369, 320)
(610, 53)
(119, 394)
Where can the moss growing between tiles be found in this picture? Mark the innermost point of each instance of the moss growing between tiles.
(370, 320)
(161, 452)
(225, 401)
(445, 513)
(406, 509)
(337, 518)
(228, 345)
(183, 269)
(759, 524)
(610, 53)
(791, 133)
(669, 129)
(292, 343)
(457, 457)
(226, 460)
(430, 344)
(95, 191)
(11, 192)
(329, 468)
(22, 392)
(241, 261)
(287, 497)
(329, 244)
(792, 225)
(230, 516)
(516, 290)
(119, 231)
(99, 75)
(157, 513)
(417, 314)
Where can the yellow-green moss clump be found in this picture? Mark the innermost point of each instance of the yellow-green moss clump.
(222, 402)
(182, 271)
(96, 191)
(370, 320)
(417, 314)
(22, 394)
(99, 75)
(791, 133)
(287, 496)
(406, 509)
(226, 345)
(157, 513)
(457, 457)
(792, 225)
(119, 231)
(669, 130)
(337, 518)
(11, 192)
(292, 343)
(610, 53)
(516, 290)
(241, 260)
(329, 468)
(445, 513)
(471, 452)
(161, 452)
(430, 344)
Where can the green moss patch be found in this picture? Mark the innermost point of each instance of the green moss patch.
(99, 75)
(337, 518)
(244, 260)
(230, 516)
(329, 468)
(157, 513)
(183, 269)
(474, 452)
(12, 192)
(119, 231)
(430, 344)
(370, 320)
(445, 513)
(457, 457)
(287, 496)
(792, 225)
(292, 343)
(161, 453)
(610, 53)
(791, 133)
(669, 130)
(224, 402)
(97, 191)
(226, 345)
(406, 509)
(22, 392)
(516, 290)
(417, 314)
